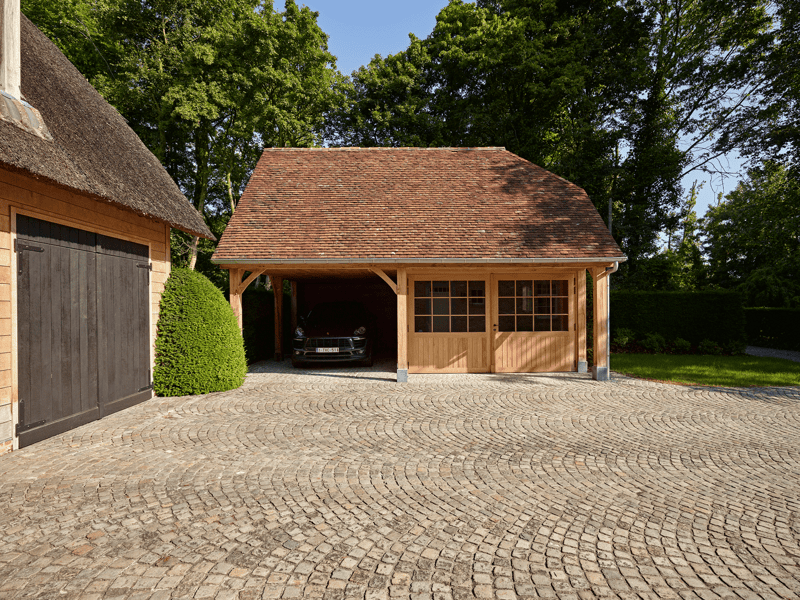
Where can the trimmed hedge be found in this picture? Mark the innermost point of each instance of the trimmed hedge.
(692, 316)
(773, 327)
(199, 347)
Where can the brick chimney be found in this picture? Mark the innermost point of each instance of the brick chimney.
(10, 71)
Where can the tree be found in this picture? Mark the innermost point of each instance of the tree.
(752, 238)
(622, 98)
(205, 84)
(698, 81)
(769, 129)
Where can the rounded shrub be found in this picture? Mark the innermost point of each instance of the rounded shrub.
(709, 347)
(199, 347)
(624, 336)
(682, 346)
(654, 342)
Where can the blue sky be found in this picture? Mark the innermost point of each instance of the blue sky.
(360, 29)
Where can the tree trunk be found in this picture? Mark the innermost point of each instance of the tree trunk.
(193, 253)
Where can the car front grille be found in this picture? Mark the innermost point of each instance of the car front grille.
(341, 343)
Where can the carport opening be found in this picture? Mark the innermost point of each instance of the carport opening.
(259, 316)
(376, 296)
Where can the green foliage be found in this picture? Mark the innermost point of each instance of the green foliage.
(733, 371)
(709, 347)
(773, 327)
(681, 346)
(769, 128)
(205, 84)
(623, 336)
(621, 98)
(734, 347)
(753, 238)
(654, 342)
(199, 346)
(693, 316)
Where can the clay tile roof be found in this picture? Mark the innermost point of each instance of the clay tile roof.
(93, 150)
(397, 204)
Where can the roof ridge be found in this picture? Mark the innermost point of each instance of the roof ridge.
(385, 148)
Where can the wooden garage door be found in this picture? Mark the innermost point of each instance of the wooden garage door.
(82, 327)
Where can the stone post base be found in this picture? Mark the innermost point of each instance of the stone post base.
(402, 375)
(583, 366)
(601, 373)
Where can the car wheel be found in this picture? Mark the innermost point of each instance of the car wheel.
(297, 363)
(367, 362)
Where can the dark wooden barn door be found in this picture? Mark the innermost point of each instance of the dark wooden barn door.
(123, 325)
(82, 327)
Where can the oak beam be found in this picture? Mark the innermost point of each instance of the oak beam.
(380, 273)
(293, 307)
(402, 326)
(235, 277)
(601, 369)
(250, 279)
(581, 321)
(277, 289)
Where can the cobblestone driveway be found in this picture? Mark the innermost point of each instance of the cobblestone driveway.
(335, 485)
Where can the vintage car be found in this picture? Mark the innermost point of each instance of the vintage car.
(335, 332)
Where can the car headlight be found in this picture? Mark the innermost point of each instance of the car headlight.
(360, 331)
(299, 332)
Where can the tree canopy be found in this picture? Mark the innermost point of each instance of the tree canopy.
(205, 85)
(622, 97)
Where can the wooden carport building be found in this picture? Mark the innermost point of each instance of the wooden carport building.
(486, 252)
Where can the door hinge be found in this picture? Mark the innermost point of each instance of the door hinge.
(21, 428)
(147, 387)
(19, 247)
(147, 266)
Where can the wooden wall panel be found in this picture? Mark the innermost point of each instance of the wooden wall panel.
(25, 195)
(447, 353)
(540, 353)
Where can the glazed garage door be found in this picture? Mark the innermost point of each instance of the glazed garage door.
(82, 327)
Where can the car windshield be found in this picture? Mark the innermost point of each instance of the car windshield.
(329, 313)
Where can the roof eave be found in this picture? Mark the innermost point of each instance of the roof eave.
(404, 261)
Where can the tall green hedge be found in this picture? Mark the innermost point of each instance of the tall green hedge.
(693, 316)
(773, 327)
(199, 347)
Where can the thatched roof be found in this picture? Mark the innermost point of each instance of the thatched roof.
(93, 149)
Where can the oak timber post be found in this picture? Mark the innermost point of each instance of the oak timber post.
(601, 369)
(277, 289)
(235, 277)
(581, 321)
(402, 326)
(293, 285)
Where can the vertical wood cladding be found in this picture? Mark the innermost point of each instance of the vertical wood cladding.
(82, 303)
(20, 194)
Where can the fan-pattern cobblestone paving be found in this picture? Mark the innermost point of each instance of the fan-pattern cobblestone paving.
(342, 484)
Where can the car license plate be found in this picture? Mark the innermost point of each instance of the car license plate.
(327, 349)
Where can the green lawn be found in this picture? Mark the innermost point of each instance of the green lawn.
(733, 371)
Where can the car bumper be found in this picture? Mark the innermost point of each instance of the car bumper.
(345, 352)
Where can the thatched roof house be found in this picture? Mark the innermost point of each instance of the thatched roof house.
(85, 218)
(92, 149)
